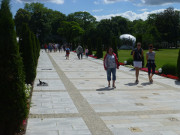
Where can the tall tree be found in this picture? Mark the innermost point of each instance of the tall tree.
(70, 30)
(27, 53)
(114, 45)
(119, 25)
(99, 52)
(22, 16)
(104, 29)
(13, 102)
(168, 23)
(85, 19)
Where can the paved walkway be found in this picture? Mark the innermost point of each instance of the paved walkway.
(77, 101)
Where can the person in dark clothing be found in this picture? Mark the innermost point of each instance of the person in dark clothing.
(138, 56)
(150, 57)
(79, 52)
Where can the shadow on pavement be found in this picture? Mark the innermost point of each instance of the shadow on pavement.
(105, 89)
(145, 84)
(131, 84)
(177, 82)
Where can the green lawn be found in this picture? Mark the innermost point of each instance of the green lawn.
(163, 56)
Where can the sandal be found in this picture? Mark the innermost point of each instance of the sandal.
(151, 81)
(137, 81)
(114, 86)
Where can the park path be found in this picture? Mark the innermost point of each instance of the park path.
(77, 101)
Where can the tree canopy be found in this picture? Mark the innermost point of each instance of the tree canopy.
(53, 26)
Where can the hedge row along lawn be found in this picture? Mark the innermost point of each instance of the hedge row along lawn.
(163, 56)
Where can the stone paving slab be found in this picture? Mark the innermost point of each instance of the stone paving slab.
(144, 124)
(47, 75)
(52, 103)
(126, 101)
(78, 102)
(53, 84)
(94, 75)
(170, 82)
(100, 84)
(57, 126)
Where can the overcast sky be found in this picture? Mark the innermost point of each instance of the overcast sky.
(102, 9)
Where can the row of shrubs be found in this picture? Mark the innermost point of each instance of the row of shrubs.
(18, 66)
(166, 68)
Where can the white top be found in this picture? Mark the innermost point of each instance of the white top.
(151, 56)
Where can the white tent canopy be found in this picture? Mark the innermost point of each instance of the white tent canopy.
(128, 41)
(128, 37)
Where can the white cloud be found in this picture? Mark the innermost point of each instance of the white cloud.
(52, 1)
(113, 1)
(159, 2)
(97, 10)
(145, 2)
(129, 15)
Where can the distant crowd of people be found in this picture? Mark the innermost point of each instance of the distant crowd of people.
(54, 47)
(111, 62)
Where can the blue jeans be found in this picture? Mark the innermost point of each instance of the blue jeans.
(109, 71)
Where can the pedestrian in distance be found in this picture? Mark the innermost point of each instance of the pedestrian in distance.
(67, 52)
(150, 57)
(138, 57)
(79, 52)
(45, 47)
(86, 52)
(110, 65)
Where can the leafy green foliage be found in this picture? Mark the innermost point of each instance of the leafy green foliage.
(114, 45)
(27, 53)
(13, 102)
(70, 30)
(130, 61)
(99, 52)
(89, 45)
(169, 69)
(178, 65)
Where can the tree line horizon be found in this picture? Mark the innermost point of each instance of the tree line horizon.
(160, 29)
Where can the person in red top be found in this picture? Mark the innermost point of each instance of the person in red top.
(110, 65)
(45, 47)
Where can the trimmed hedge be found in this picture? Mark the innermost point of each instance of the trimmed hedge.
(169, 69)
(178, 65)
(13, 102)
(27, 53)
(130, 61)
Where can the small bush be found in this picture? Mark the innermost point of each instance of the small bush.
(130, 61)
(178, 65)
(169, 69)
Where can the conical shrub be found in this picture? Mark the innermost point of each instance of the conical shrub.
(13, 102)
(26, 49)
(114, 45)
(99, 53)
(178, 65)
(34, 48)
